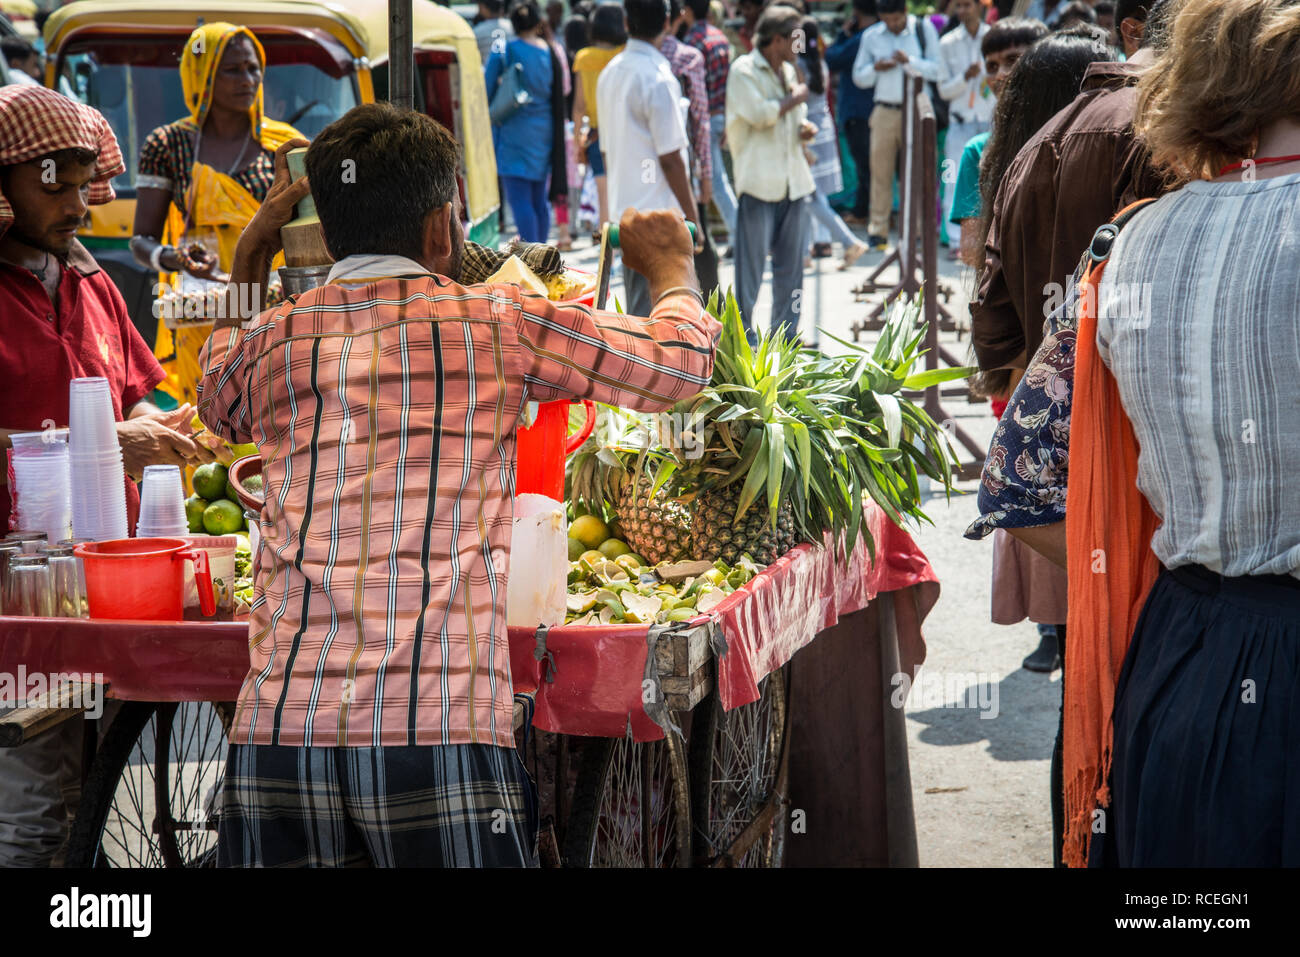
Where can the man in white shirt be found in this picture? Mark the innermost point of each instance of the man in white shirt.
(970, 100)
(643, 134)
(24, 62)
(900, 44)
(767, 125)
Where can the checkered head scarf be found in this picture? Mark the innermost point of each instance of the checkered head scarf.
(35, 122)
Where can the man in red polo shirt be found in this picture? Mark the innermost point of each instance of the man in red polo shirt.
(61, 318)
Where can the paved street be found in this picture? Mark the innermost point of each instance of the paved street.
(980, 785)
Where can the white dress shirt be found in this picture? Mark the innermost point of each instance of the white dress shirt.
(969, 100)
(639, 103)
(880, 43)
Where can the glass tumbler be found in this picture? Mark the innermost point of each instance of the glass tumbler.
(68, 592)
(29, 593)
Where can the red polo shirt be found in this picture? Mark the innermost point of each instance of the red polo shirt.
(43, 348)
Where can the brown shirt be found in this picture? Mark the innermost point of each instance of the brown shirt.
(1072, 176)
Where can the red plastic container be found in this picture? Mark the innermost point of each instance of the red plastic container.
(143, 578)
(542, 448)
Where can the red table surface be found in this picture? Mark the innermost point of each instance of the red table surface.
(591, 683)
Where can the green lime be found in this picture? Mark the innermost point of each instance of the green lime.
(223, 517)
(612, 548)
(194, 507)
(576, 548)
(210, 481)
(231, 494)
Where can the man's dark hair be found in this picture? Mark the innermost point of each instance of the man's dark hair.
(891, 6)
(1012, 32)
(16, 48)
(373, 162)
(493, 8)
(1135, 9)
(1076, 12)
(645, 18)
(525, 16)
(869, 7)
(609, 25)
(674, 9)
(1104, 8)
(778, 20)
(577, 34)
(699, 8)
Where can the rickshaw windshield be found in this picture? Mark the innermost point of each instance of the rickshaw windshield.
(135, 82)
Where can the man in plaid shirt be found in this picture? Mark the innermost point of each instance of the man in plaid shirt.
(375, 724)
(712, 42)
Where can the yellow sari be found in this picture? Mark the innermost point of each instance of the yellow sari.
(216, 205)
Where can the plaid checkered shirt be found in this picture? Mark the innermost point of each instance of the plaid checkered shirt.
(686, 61)
(385, 412)
(712, 42)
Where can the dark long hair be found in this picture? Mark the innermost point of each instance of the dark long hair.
(811, 57)
(1044, 82)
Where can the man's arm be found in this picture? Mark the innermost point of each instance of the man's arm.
(952, 80)
(746, 101)
(1047, 540)
(637, 363)
(864, 65)
(699, 114)
(1023, 213)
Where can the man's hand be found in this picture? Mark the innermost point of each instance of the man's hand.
(706, 192)
(883, 65)
(798, 94)
(201, 263)
(807, 131)
(972, 71)
(263, 230)
(657, 245)
(153, 439)
(900, 56)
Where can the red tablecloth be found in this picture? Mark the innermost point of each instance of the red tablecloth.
(592, 681)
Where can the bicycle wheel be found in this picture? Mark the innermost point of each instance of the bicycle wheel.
(153, 794)
(735, 766)
(629, 806)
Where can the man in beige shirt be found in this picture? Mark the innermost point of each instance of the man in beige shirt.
(766, 128)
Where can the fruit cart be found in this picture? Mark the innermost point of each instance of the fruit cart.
(658, 746)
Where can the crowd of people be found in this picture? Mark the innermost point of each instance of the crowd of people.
(1117, 176)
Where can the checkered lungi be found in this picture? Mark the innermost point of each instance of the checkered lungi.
(467, 805)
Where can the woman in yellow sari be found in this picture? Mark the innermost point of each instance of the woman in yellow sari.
(202, 178)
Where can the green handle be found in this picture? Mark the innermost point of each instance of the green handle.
(613, 232)
(297, 162)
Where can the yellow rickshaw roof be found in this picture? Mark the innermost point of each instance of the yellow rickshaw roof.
(365, 22)
(332, 17)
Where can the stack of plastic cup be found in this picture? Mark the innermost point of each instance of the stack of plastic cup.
(42, 483)
(98, 480)
(162, 503)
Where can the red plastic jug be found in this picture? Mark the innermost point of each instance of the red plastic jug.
(542, 448)
(143, 578)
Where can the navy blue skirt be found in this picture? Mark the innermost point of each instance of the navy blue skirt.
(1206, 763)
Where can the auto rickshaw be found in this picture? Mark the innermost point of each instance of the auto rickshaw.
(122, 56)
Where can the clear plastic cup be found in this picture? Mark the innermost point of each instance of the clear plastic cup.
(49, 442)
(91, 426)
(162, 502)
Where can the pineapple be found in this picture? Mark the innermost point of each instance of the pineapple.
(657, 527)
(714, 535)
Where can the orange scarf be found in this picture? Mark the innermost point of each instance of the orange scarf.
(1108, 528)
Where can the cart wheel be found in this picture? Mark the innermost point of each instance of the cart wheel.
(736, 764)
(630, 805)
(153, 794)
